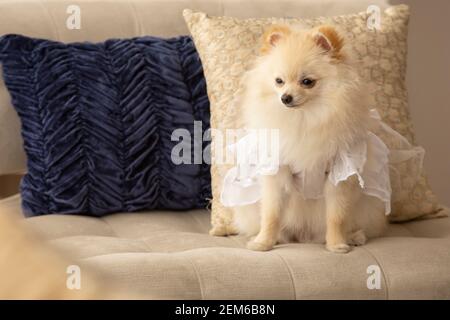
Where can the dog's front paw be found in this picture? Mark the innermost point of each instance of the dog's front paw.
(259, 246)
(222, 231)
(339, 248)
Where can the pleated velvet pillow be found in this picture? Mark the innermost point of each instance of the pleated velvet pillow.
(97, 123)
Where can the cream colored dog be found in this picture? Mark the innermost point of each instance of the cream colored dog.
(306, 85)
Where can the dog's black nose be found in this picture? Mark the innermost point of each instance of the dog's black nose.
(286, 99)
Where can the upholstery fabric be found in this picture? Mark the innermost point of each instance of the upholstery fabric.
(97, 121)
(227, 46)
(165, 255)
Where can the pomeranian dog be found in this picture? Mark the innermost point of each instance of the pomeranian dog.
(305, 84)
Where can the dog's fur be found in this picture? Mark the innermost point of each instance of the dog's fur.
(331, 114)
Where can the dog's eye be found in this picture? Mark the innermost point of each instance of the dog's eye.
(279, 81)
(307, 82)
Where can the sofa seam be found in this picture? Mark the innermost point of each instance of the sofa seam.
(198, 278)
(149, 249)
(52, 19)
(109, 226)
(153, 252)
(138, 19)
(291, 276)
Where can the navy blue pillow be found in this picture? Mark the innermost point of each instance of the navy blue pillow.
(97, 121)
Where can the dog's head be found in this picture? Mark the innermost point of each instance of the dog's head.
(302, 65)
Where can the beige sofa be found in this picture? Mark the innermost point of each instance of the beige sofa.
(170, 254)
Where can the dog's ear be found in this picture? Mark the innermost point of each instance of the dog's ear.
(273, 35)
(327, 38)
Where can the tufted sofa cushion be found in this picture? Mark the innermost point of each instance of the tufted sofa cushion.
(170, 255)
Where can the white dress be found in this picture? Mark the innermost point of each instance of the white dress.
(369, 160)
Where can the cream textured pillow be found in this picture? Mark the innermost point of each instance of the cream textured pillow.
(227, 47)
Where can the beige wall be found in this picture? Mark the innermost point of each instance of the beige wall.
(428, 81)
